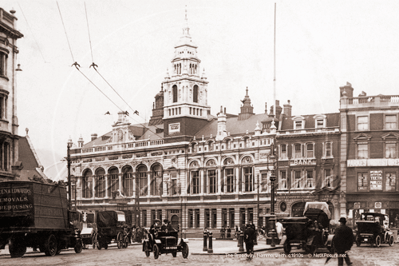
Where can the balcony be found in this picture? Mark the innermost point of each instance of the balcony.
(370, 101)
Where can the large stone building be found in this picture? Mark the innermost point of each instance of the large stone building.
(9, 162)
(369, 154)
(196, 169)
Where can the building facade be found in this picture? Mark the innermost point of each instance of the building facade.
(369, 154)
(9, 165)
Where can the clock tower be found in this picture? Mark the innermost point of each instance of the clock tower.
(185, 92)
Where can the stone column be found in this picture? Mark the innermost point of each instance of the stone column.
(93, 189)
(201, 182)
(106, 186)
(219, 176)
(237, 176)
(149, 183)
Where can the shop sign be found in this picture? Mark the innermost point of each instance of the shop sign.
(303, 162)
(373, 162)
(378, 205)
(376, 180)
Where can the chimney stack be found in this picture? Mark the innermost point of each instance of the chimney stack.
(288, 109)
(93, 136)
(346, 90)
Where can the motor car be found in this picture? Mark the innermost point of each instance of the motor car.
(373, 228)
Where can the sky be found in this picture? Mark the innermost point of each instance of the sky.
(320, 46)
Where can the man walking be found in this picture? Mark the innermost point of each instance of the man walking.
(343, 241)
(249, 238)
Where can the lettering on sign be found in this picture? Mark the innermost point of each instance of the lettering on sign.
(173, 128)
(376, 180)
(373, 162)
(15, 199)
(303, 162)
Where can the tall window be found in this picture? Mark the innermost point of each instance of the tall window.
(391, 122)
(309, 179)
(195, 94)
(212, 181)
(309, 150)
(362, 151)
(248, 179)
(143, 180)
(214, 218)
(127, 181)
(207, 218)
(195, 182)
(362, 123)
(328, 182)
(390, 150)
(362, 181)
(3, 107)
(156, 180)
(87, 184)
(328, 149)
(230, 180)
(197, 218)
(3, 64)
(283, 153)
(298, 150)
(283, 180)
(390, 181)
(174, 93)
(297, 180)
(113, 179)
(264, 184)
(100, 183)
(190, 218)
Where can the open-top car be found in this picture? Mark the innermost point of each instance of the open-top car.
(311, 231)
(161, 242)
(373, 228)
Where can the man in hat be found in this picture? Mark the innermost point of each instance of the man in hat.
(249, 238)
(343, 241)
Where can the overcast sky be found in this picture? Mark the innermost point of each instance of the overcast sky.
(321, 45)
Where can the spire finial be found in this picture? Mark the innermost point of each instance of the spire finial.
(186, 29)
(247, 91)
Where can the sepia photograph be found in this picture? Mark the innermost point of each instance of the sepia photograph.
(223, 132)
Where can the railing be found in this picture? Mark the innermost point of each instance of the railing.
(370, 100)
(124, 146)
(308, 130)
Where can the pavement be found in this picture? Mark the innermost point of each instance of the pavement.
(219, 247)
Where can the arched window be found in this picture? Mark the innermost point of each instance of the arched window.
(156, 180)
(113, 181)
(127, 181)
(87, 184)
(100, 183)
(195, 94)
(143, 182)
(174, 93)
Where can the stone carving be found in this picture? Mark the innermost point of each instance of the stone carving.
(194, 164)
(211, 163)
(228, 161)
(247, 159)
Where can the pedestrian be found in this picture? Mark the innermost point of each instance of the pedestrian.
(249, 238)
(279, 229)
(236, 233)
(343, 241)
(228, 232)
(222, 232)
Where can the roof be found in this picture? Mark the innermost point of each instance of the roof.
(233, 125)
(332, 120)
(31, 165)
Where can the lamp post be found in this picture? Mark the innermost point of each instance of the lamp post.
(272, 180)
(69, 146)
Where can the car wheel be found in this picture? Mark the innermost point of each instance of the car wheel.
(287, 247)
(391, 240)
(358, 241)
(119, 240)
(17, 247)
(185, 251)
(378, 241)
(51, 245)
(146, 249)
(156, 251)
(78, 246)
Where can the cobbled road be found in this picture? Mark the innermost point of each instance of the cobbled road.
(363, 255)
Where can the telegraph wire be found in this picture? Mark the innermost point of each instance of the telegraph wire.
(88, 30)
(30, 29)
(70, 49)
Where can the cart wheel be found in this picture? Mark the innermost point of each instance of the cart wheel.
(174, 254)
(185, 251)
(287, 247)
(119, 240)
(146, 249)
(78, 246)
(17, 247)
(378, 241)
(391, 240)
(156, 251)
(358, 241)
(50, 246)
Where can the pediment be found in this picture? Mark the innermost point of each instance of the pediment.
(390, 135)
(362, 136)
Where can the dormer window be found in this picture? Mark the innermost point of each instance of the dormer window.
(319, 121)
(299, 122)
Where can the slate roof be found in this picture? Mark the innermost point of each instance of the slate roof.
(332, 121)
(30, 161)
(234, 126)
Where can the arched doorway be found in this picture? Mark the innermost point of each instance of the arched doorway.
(297, 209)
(175, 221)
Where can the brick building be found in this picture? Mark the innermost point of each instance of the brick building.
(369, 154)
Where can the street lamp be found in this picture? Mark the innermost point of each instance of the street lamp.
(272, 192)
(69, 146)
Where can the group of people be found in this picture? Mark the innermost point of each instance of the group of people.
(223, 232)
